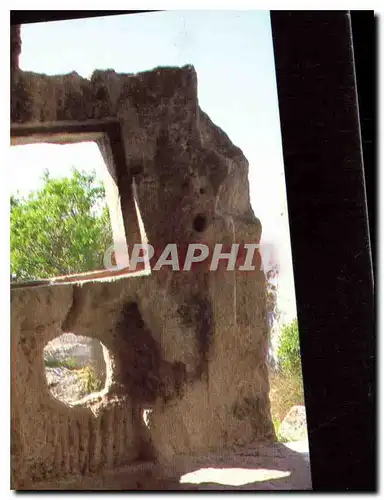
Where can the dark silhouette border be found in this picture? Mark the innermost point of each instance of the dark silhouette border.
(328, 216)
(330, 243)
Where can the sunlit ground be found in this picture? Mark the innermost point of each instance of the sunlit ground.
(232, 476)
(301, 446)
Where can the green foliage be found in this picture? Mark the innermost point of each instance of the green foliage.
(90, 380)
(277, 424)
(91, 383)
(289, 349)
(285, 392)
(66, 363)
(61, 229)
(286, 385)
(281, 439)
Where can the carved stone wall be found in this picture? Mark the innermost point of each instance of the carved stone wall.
(190, 345)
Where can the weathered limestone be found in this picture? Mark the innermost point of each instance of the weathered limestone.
(294, 425)
(191, 346)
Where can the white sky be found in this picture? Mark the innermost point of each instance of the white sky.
(232, 53)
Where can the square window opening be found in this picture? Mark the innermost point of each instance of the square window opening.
(66, 219)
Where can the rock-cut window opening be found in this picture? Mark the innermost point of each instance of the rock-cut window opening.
(75, 366)
(89, 213)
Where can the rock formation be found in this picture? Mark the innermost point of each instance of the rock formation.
(294, 425)
(70, 361)
(191, 346)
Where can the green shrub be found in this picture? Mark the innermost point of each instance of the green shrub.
(66, 363)
(71, 364)
(285, 392)
(289, 349)
(90, 380)
(51, 363)
(286, 384)
(276, 425)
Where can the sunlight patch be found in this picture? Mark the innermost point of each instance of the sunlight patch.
(232, 477)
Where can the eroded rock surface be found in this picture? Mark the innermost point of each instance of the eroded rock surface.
(66, 385)
(261, 466)
(81, 351)
(190, 346)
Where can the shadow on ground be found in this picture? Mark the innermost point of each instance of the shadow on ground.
(256, 467)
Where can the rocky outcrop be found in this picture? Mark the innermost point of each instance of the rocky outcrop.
(79, 352)
(66, 385)
(189, 345)
(294, 425)
(15, 48)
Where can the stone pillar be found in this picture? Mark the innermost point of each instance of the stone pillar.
(15, 48)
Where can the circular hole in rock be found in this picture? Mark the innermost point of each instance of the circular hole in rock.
(199, 223)
(74, 367)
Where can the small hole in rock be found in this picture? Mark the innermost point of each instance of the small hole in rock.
(199, 223)
(146, 417)
(74, 367)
